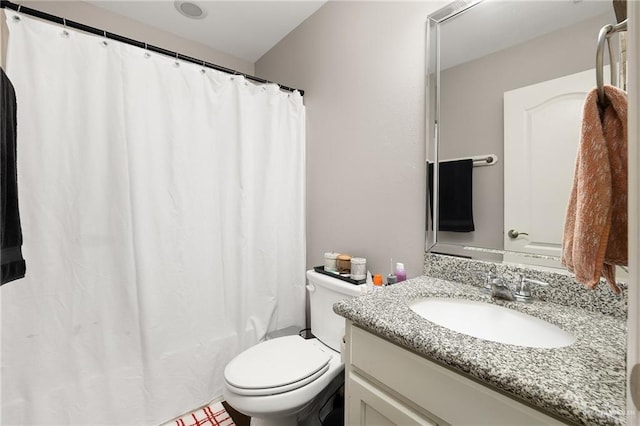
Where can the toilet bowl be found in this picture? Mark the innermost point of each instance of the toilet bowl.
(261, 383)
(279, 380)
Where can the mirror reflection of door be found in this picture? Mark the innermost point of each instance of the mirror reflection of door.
(541, 133)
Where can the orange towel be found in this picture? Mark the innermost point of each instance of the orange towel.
(595, 229)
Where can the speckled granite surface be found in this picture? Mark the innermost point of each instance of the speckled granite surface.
(583, 383)
(562, 289)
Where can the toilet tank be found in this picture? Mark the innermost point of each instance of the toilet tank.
(324, 291)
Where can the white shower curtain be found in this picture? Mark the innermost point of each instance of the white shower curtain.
(163, 217)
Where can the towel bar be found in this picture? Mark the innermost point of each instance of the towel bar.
(478, 160)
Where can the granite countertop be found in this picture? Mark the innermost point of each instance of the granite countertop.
(582, 383)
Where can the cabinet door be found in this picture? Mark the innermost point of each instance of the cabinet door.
(439, 395)
(370, 406)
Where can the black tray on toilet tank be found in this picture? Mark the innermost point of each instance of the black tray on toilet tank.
(347, 278)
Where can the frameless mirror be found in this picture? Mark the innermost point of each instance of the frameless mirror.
(507, 81)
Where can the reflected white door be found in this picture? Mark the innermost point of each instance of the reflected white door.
(541, 135)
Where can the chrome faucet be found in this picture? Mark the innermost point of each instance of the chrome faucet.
(490, 278)
(521, 293)
(500, 290)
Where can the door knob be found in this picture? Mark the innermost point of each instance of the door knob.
(513, 234)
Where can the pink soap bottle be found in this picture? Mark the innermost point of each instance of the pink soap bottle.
(401, 275)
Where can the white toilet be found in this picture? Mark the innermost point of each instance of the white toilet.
(281, 381)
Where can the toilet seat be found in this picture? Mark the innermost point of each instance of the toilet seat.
(278, 389)
(276, 366)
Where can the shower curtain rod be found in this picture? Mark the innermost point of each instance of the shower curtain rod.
(6, 4)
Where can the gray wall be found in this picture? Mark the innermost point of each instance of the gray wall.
(473, 124)
(362, 65)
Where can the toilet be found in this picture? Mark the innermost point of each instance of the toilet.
(287, 380)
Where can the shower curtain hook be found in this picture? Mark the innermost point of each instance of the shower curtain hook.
(16, 18)
(65, 33)
(176, 64)
(104, 42)
(204, 66)
(147, 55)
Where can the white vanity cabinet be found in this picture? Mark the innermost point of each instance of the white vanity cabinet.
(389, 385)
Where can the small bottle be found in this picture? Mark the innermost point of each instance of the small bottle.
(369, 283)
(377, 281)
(391, 278)
(401, 275)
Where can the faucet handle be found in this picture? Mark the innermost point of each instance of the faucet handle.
(491, 278)
(523, 287)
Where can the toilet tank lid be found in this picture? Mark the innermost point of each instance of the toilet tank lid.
(336, 285)
(275, 363)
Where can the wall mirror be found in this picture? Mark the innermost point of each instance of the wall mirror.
(507, 81)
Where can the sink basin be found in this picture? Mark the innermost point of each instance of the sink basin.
(491, 322)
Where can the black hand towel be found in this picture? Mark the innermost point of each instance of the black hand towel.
(13, 264)
(455, 199)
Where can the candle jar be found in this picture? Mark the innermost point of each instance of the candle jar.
(330, 262)
(358, 268)
(344, 263)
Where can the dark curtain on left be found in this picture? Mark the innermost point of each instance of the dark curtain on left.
(13, 264)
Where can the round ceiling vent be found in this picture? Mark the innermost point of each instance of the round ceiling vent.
(190, 9)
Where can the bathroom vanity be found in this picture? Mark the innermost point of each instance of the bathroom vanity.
(402, 369)
(388, 384)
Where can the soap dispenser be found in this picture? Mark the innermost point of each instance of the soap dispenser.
(391, 278)
(401, 275)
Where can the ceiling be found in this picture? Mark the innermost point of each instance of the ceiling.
(244, 29)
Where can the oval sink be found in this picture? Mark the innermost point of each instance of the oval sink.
(491, 322)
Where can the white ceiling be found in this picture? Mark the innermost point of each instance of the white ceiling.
(244, 29)
(248, 29)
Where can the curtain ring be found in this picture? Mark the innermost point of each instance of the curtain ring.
(65, 33)
(16, 18)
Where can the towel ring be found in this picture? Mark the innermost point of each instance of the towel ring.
(602, 37)
(605, 35)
